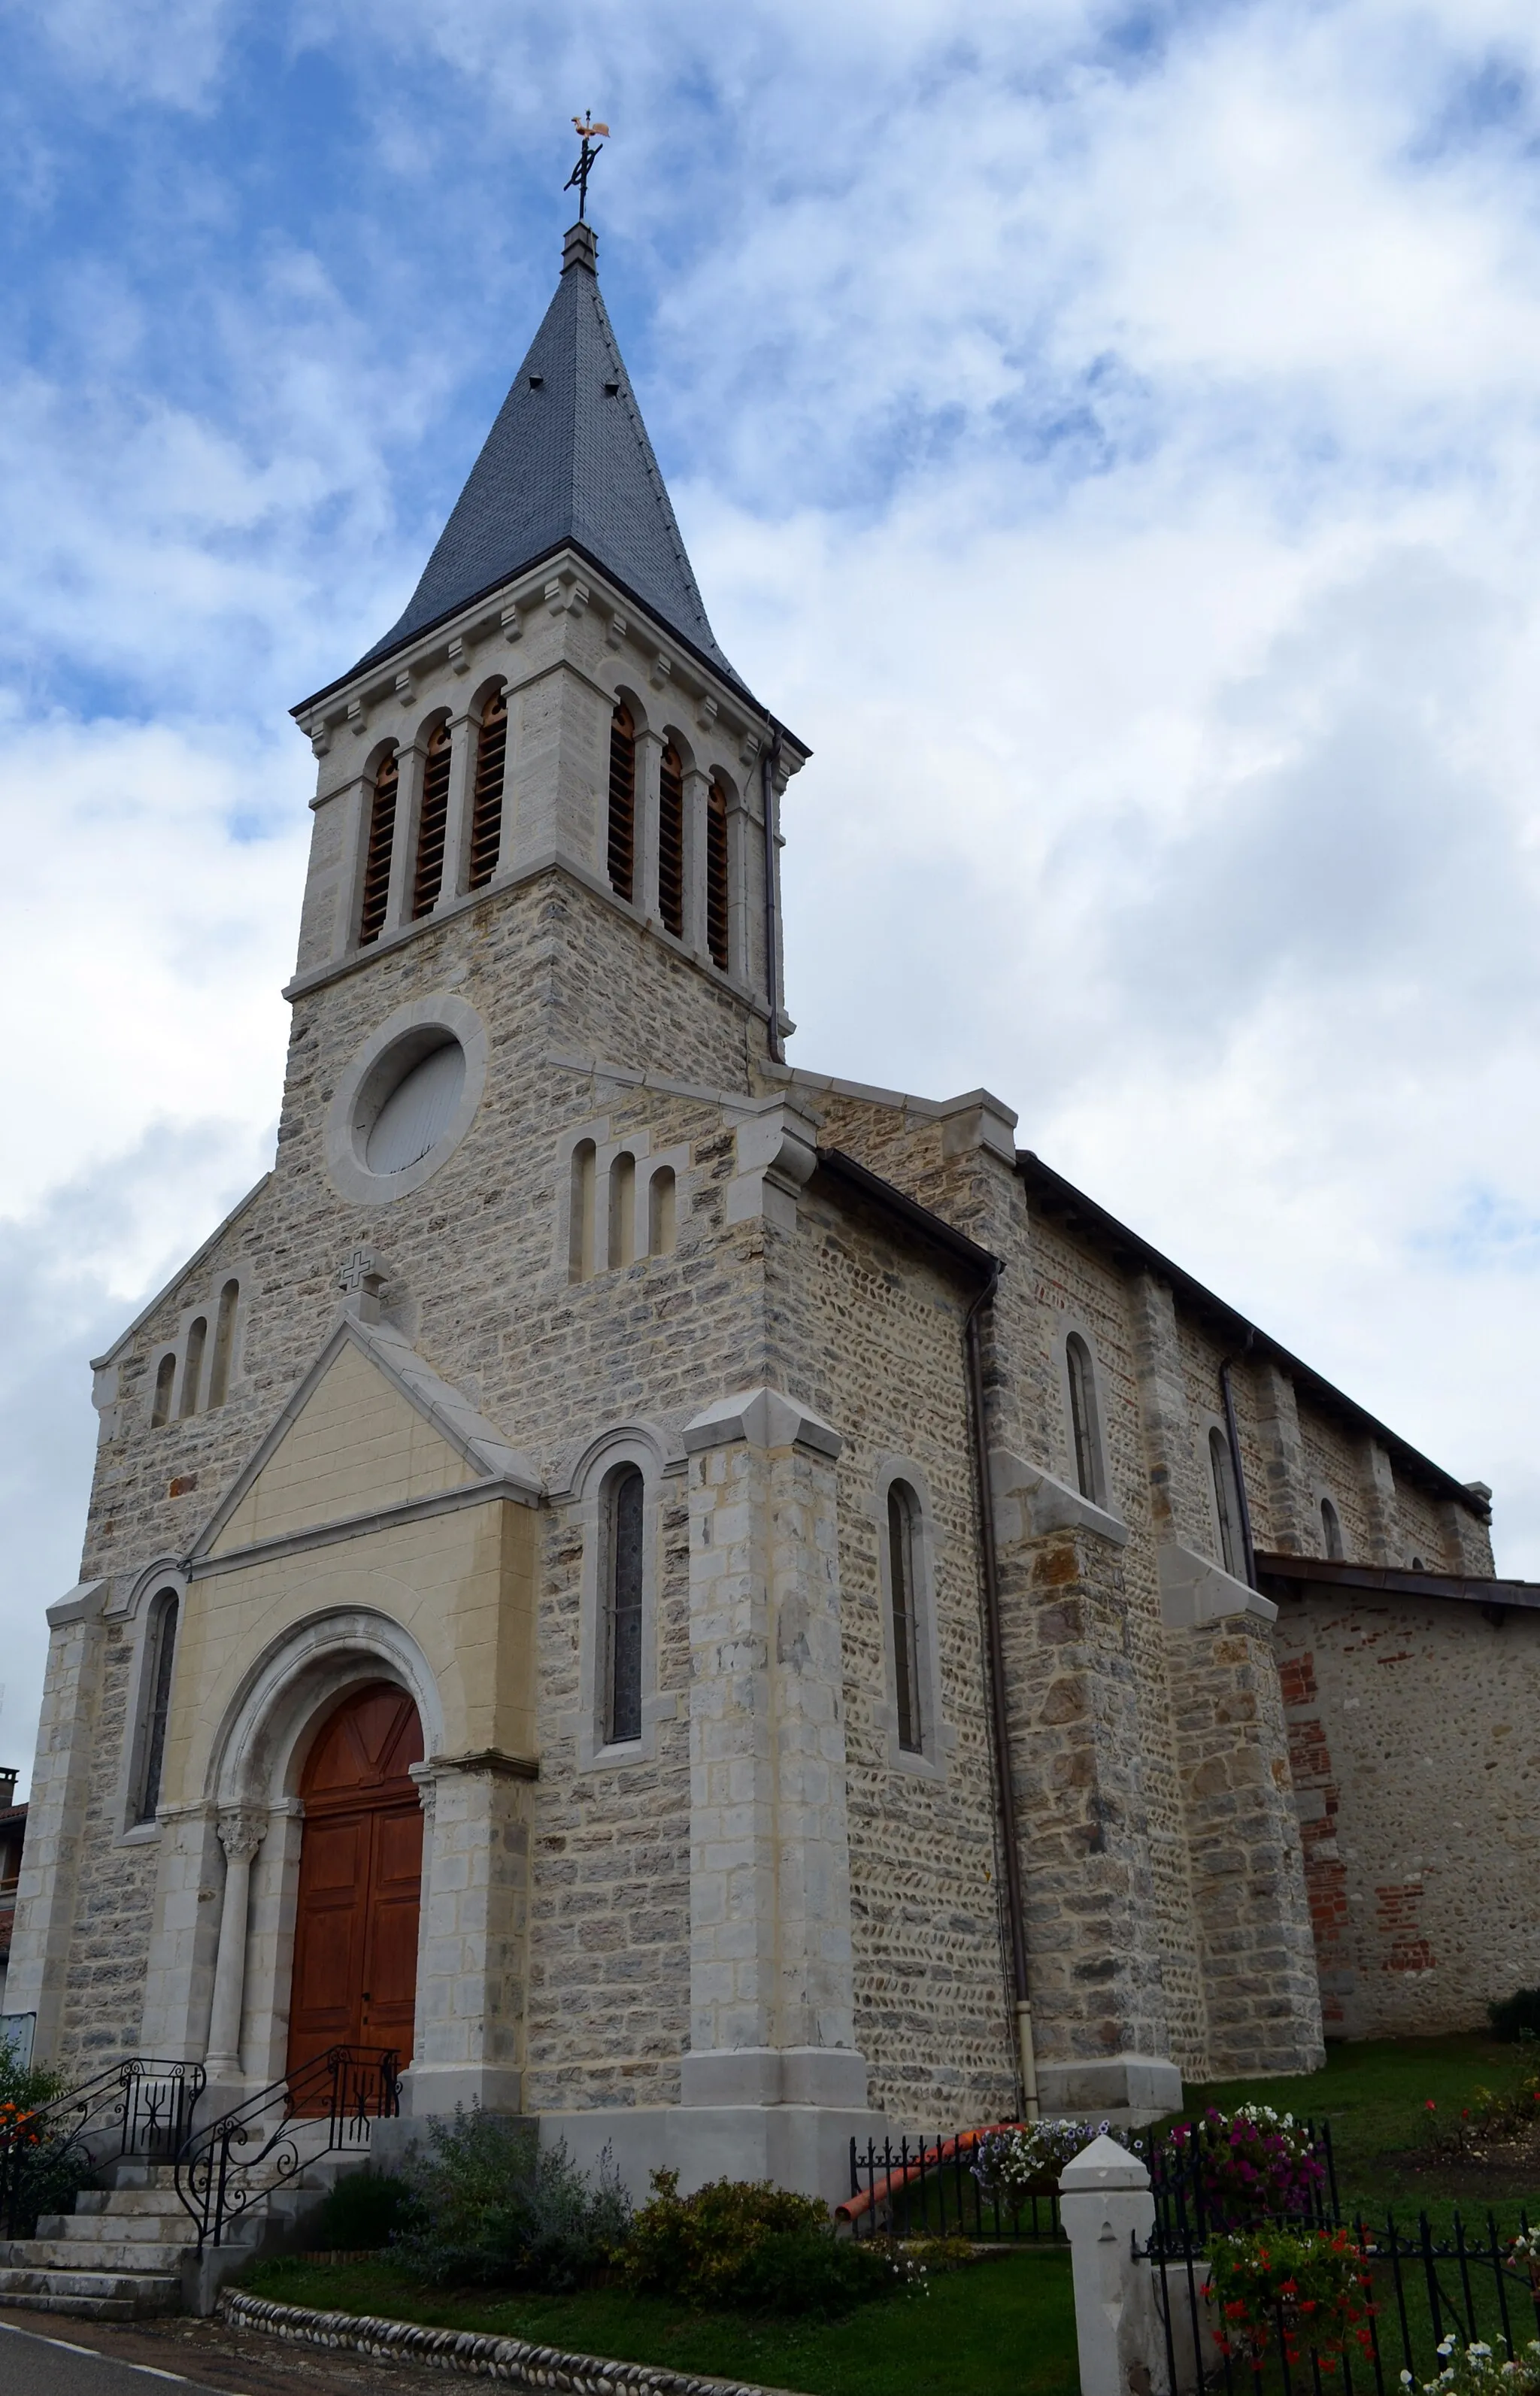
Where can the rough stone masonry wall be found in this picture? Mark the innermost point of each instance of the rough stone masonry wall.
(1413, 1729)
(877, 1350)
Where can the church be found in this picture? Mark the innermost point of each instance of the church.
(686, 1598)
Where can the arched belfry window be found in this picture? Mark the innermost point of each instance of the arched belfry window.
(716, 877)
(487, 805)
(376, 864)
(662, 1207)
(670, 842)
(1084, 1429)
(1226, 1505)
(1330, 1531)
(160, 1662)
(165, 1373)
(902, 1514)
(432, 823)
(624, 1514)
(622, 801)
(224, 1341)
(580, 1220)
(192, 1368)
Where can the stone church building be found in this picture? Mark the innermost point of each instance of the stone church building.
(714, 1605)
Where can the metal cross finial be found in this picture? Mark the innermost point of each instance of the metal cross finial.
(586, 128)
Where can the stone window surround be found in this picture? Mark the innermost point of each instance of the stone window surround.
(139, 1611)
(1322, 1492)
(1070, 1324)
(209, 1309)
(1203, 1422)
(936, 1736)
(656, 1459)
(638, 1146)
(346, 1170)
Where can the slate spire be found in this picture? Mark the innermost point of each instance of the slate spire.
(568, 461)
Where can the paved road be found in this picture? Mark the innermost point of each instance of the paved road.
(46, 2366)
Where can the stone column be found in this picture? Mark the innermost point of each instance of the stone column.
(411, 758)
(240, 1835)
(742, 832)
(463, 735)
(649, 753)
(50, 1858)
(697, 786)
(472, 1969)
(773, 2084)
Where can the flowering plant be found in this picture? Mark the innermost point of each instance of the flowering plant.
(1011, 2166)
(1249, 2165)
(1303, 2287)
(1476, 2370)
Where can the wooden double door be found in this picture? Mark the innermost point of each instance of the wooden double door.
(355, 1936)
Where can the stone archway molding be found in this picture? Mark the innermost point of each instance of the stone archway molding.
(254, 1759)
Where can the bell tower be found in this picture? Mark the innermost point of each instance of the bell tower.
(552, 710)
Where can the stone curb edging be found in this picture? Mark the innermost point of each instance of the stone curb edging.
(466, 2351)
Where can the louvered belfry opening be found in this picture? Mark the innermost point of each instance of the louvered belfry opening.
(433, 824)
(670, 842)
(716, 875)
(622, 801)
(488, 804)
(376, 867)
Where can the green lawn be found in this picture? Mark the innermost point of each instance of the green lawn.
(1002, 2327)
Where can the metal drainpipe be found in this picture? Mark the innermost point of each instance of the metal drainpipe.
(769, 760)
(1233, 1434)
(1015, 1914)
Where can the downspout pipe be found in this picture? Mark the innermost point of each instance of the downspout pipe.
(769, 760)
(1015, 1910)
(1232, 1433)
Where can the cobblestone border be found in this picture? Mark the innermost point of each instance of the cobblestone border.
(465, 2350)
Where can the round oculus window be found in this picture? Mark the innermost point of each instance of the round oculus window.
(417, 1111)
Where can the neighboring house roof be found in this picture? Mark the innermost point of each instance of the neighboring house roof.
(1288, 1572)
(567, 464)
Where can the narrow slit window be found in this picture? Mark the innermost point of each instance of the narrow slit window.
(432, 823)
(622, 1211)
(1330, 1531)
(157, 1707)
(487, 804)
(905, 1628)
(165, 1373)
(224, 1340)
(623, 1607)
(670, 842)
(661, 1204)
(622, 801)
(377, 865)
(580, 1232)
(716, 877)
(1225, 1505)
(193, 1368)
(1083, 1417)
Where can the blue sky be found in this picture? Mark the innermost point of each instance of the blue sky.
(1111, 435)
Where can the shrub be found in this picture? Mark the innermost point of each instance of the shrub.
(492, 2206)
(1516, 2017)
(364, 2209)
(1304, 2288)
(747, 2245)
(42, 2170)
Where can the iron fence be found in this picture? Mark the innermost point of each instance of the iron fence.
(140, 2106)
(928, 2187)
(328, 2106)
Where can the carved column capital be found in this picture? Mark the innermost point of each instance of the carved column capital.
(240, 1835)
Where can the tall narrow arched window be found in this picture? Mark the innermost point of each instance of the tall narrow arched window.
(166, 1374)
(197, 1333)
(487, 804)
(622, 801)
(662, 1204)
(581, 1218)
(623, 1524)
(160, 1660)
(901, 1512)
(432, 822)
(1330, 1531)
(1226, 1505)
(622, 1211)
(670, 842)
(1084, 1430)
(224, 1340)
(717, 934)
(376, 864)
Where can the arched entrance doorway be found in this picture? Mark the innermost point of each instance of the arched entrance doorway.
(355, 1933)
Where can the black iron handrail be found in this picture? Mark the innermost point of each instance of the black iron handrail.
(338, 2097)
(141, 2105)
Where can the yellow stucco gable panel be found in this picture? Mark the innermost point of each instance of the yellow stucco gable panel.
(356, 1444)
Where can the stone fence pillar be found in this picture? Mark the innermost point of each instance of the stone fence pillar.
(1108, 2214)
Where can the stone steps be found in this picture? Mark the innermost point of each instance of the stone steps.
(91, 2295)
